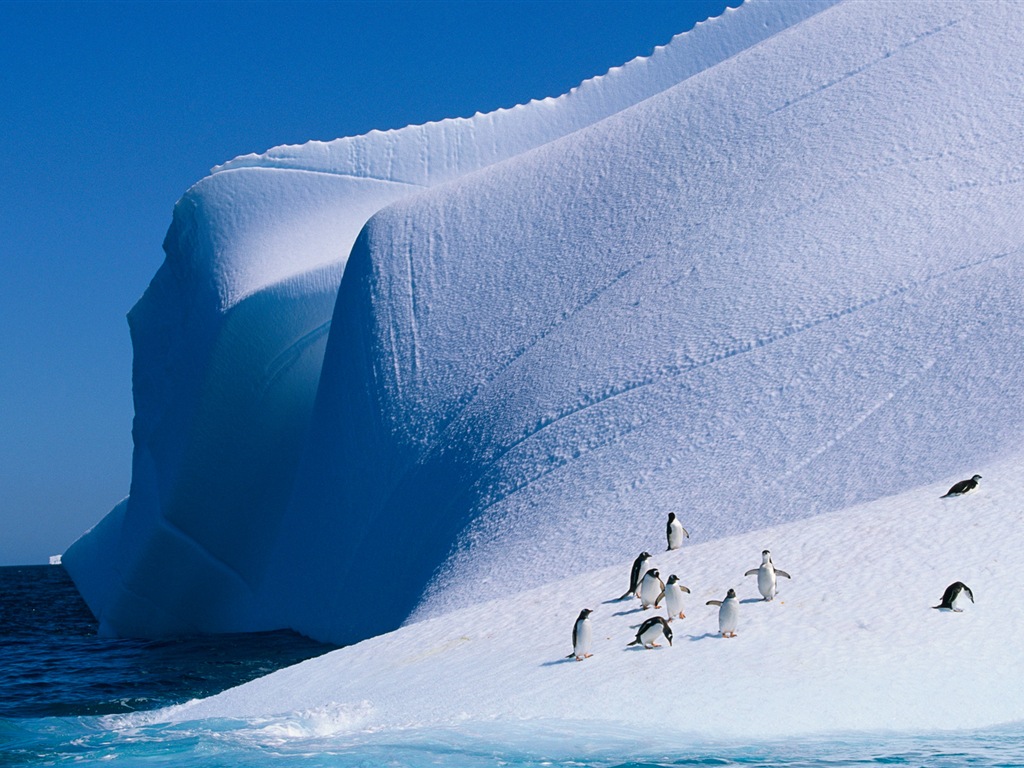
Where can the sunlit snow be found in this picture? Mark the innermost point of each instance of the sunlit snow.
(777, 293)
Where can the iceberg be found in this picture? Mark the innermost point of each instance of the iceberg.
(766, 275)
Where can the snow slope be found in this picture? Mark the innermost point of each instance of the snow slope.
(230, 336)
(851, 643)
(788, 285)
(784, 284)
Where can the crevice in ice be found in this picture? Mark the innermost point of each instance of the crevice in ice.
(675, 371)
(211, 558)
(866, 66)
(860, 420)
(286, 359)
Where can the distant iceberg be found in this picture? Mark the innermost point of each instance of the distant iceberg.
(769, 272)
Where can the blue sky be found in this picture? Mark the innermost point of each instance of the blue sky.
(110, 111)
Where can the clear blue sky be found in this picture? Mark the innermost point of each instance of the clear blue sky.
(110, 111)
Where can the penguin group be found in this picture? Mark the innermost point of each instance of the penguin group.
(646, 584)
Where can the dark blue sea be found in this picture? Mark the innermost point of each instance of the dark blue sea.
(69, 697)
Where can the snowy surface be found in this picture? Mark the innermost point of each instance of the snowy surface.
(759, 292)
(786, 286)
(230, 336)
(850, 643)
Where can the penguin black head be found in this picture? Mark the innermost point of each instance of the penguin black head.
(976, 478)
(673, 579)
(730, 593)
(667, 630)
(765, 552)
(671, 516)
(654, 572)
(645, 554)
(585, 613)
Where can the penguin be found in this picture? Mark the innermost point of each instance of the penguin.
(675, 532)
(582, 636)
(650, 631)
(766, 574)
(952, 595)
(673, 596)
(641, 565)
(964, 486)
(651, 588)
(728, 613)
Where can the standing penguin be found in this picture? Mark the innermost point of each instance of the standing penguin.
(728, 613)
(952, 595)
(582, 636)
(641, 565)
(766, 574)
(675, 532)
(964, 486)
(651, 588)
(650, 631)
(673, 596)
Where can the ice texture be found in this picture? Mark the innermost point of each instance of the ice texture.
(770, 272)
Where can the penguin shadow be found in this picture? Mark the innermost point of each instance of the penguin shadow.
(630, 612)
(640, 647)
(563, 660)
(705, 636)
(750, 600)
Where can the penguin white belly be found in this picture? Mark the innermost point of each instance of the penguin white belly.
(584, 639)
(675, 535)
(650, 590)
(674, 602)
(652, 635)
(728, 616)
(766, 582)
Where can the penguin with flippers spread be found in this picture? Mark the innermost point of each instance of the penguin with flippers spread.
(673, 597)
(728, 613)
(766, 576)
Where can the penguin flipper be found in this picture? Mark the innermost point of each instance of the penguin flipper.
(686, 533)
(782, 573)
(713, 602)
(635, 642)
(684, 589)
(660, 598)
(752, 572)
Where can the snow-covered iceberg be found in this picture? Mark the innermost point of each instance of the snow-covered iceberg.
(770, 272)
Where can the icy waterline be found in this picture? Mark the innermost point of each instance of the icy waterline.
(324, 738)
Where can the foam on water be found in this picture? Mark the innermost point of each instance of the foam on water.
(332, 737)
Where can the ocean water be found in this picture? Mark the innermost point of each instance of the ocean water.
(68, 697)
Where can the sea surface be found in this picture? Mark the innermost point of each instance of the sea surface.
(69, 697)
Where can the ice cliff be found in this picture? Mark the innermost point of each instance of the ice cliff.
(769, 272)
